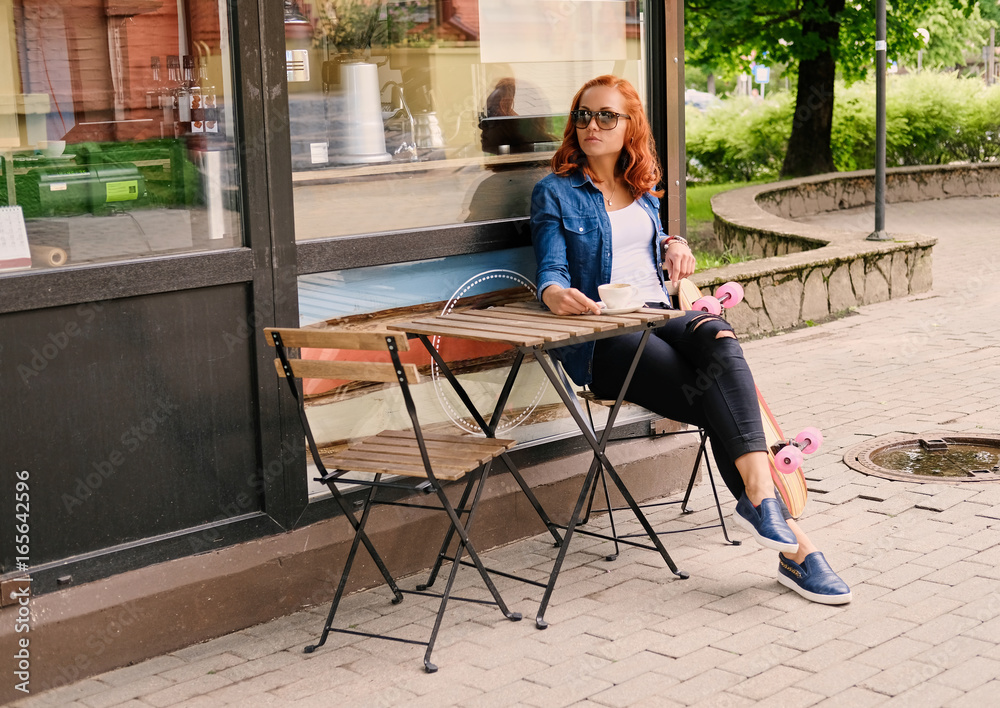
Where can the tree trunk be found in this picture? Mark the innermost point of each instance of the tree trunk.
(809, 151)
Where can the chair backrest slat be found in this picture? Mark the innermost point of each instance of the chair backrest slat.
(349, 370)
(335, 339)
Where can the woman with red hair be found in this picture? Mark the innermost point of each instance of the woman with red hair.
(595, 220)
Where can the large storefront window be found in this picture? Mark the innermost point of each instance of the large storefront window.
(422, 113)
(116, 130)
(417, 113)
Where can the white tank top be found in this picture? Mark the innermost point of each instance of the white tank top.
(632, 246)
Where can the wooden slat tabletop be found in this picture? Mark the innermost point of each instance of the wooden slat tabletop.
(640, 316)
(525, 320)
(529, 324)
(445, 329)
(474, 321)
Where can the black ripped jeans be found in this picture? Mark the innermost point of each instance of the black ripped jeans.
(690, 374)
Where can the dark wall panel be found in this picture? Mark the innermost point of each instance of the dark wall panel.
(144, 403)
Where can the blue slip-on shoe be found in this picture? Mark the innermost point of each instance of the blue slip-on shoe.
(814, 579)
(766, 524)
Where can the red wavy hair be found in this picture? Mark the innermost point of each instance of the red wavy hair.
(638, 164)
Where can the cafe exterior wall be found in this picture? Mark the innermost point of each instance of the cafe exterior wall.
(176, 176)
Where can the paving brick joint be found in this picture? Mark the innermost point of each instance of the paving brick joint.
(922, 559)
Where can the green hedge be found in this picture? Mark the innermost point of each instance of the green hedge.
(931, 119)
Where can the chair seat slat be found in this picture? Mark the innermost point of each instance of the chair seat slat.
(395, 464)
(376, 467)
(589, 396)
(404, 459)
(463, 459)
(432, 445)
(446, 437)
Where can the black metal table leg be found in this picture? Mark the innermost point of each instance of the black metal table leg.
(564, 390)
(489, 429)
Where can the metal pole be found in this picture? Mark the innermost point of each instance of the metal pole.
(992, 63)
(675, 183)
(880, 54)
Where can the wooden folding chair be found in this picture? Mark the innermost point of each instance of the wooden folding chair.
(412, 454)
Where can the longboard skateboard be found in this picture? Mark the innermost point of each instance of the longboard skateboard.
(790, 485)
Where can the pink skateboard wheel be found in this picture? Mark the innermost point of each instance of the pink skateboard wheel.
(810, 439)
(788, 459)
(707, 304)
(729, 294)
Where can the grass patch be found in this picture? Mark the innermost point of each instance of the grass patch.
(706, 259)
(699, 199)
(708, 252)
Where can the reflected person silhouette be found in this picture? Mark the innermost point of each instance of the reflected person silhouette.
(507, 192)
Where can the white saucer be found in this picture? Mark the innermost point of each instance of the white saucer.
(605, 310)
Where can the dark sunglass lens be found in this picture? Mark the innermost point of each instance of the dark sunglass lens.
(581, 118)
(606, 120)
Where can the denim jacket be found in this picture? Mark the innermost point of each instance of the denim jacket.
(571, 233)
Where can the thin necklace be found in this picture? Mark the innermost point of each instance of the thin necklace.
(608, 199)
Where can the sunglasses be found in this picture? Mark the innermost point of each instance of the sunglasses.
(606, 120)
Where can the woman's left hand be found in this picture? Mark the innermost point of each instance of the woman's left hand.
(678, 261)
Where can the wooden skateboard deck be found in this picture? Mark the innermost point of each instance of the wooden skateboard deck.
(791, 487)
(687, 293)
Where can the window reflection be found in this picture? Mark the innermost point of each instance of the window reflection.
(415, 113)
(116, 127)
(471, 98)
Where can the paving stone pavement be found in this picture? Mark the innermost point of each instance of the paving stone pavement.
(923, 559)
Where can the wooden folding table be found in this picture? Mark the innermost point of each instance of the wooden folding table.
(531, 329)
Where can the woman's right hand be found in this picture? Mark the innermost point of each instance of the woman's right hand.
(569, 301)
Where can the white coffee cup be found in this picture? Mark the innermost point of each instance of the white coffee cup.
(617, 295)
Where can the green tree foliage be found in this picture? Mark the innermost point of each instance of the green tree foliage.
(817, 38)
(723, 34)
(932, 118)
(953, 34)
(740, 139)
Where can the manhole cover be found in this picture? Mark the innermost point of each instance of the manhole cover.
(929, 458)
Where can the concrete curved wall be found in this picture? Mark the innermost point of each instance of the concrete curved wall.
(808, 272)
